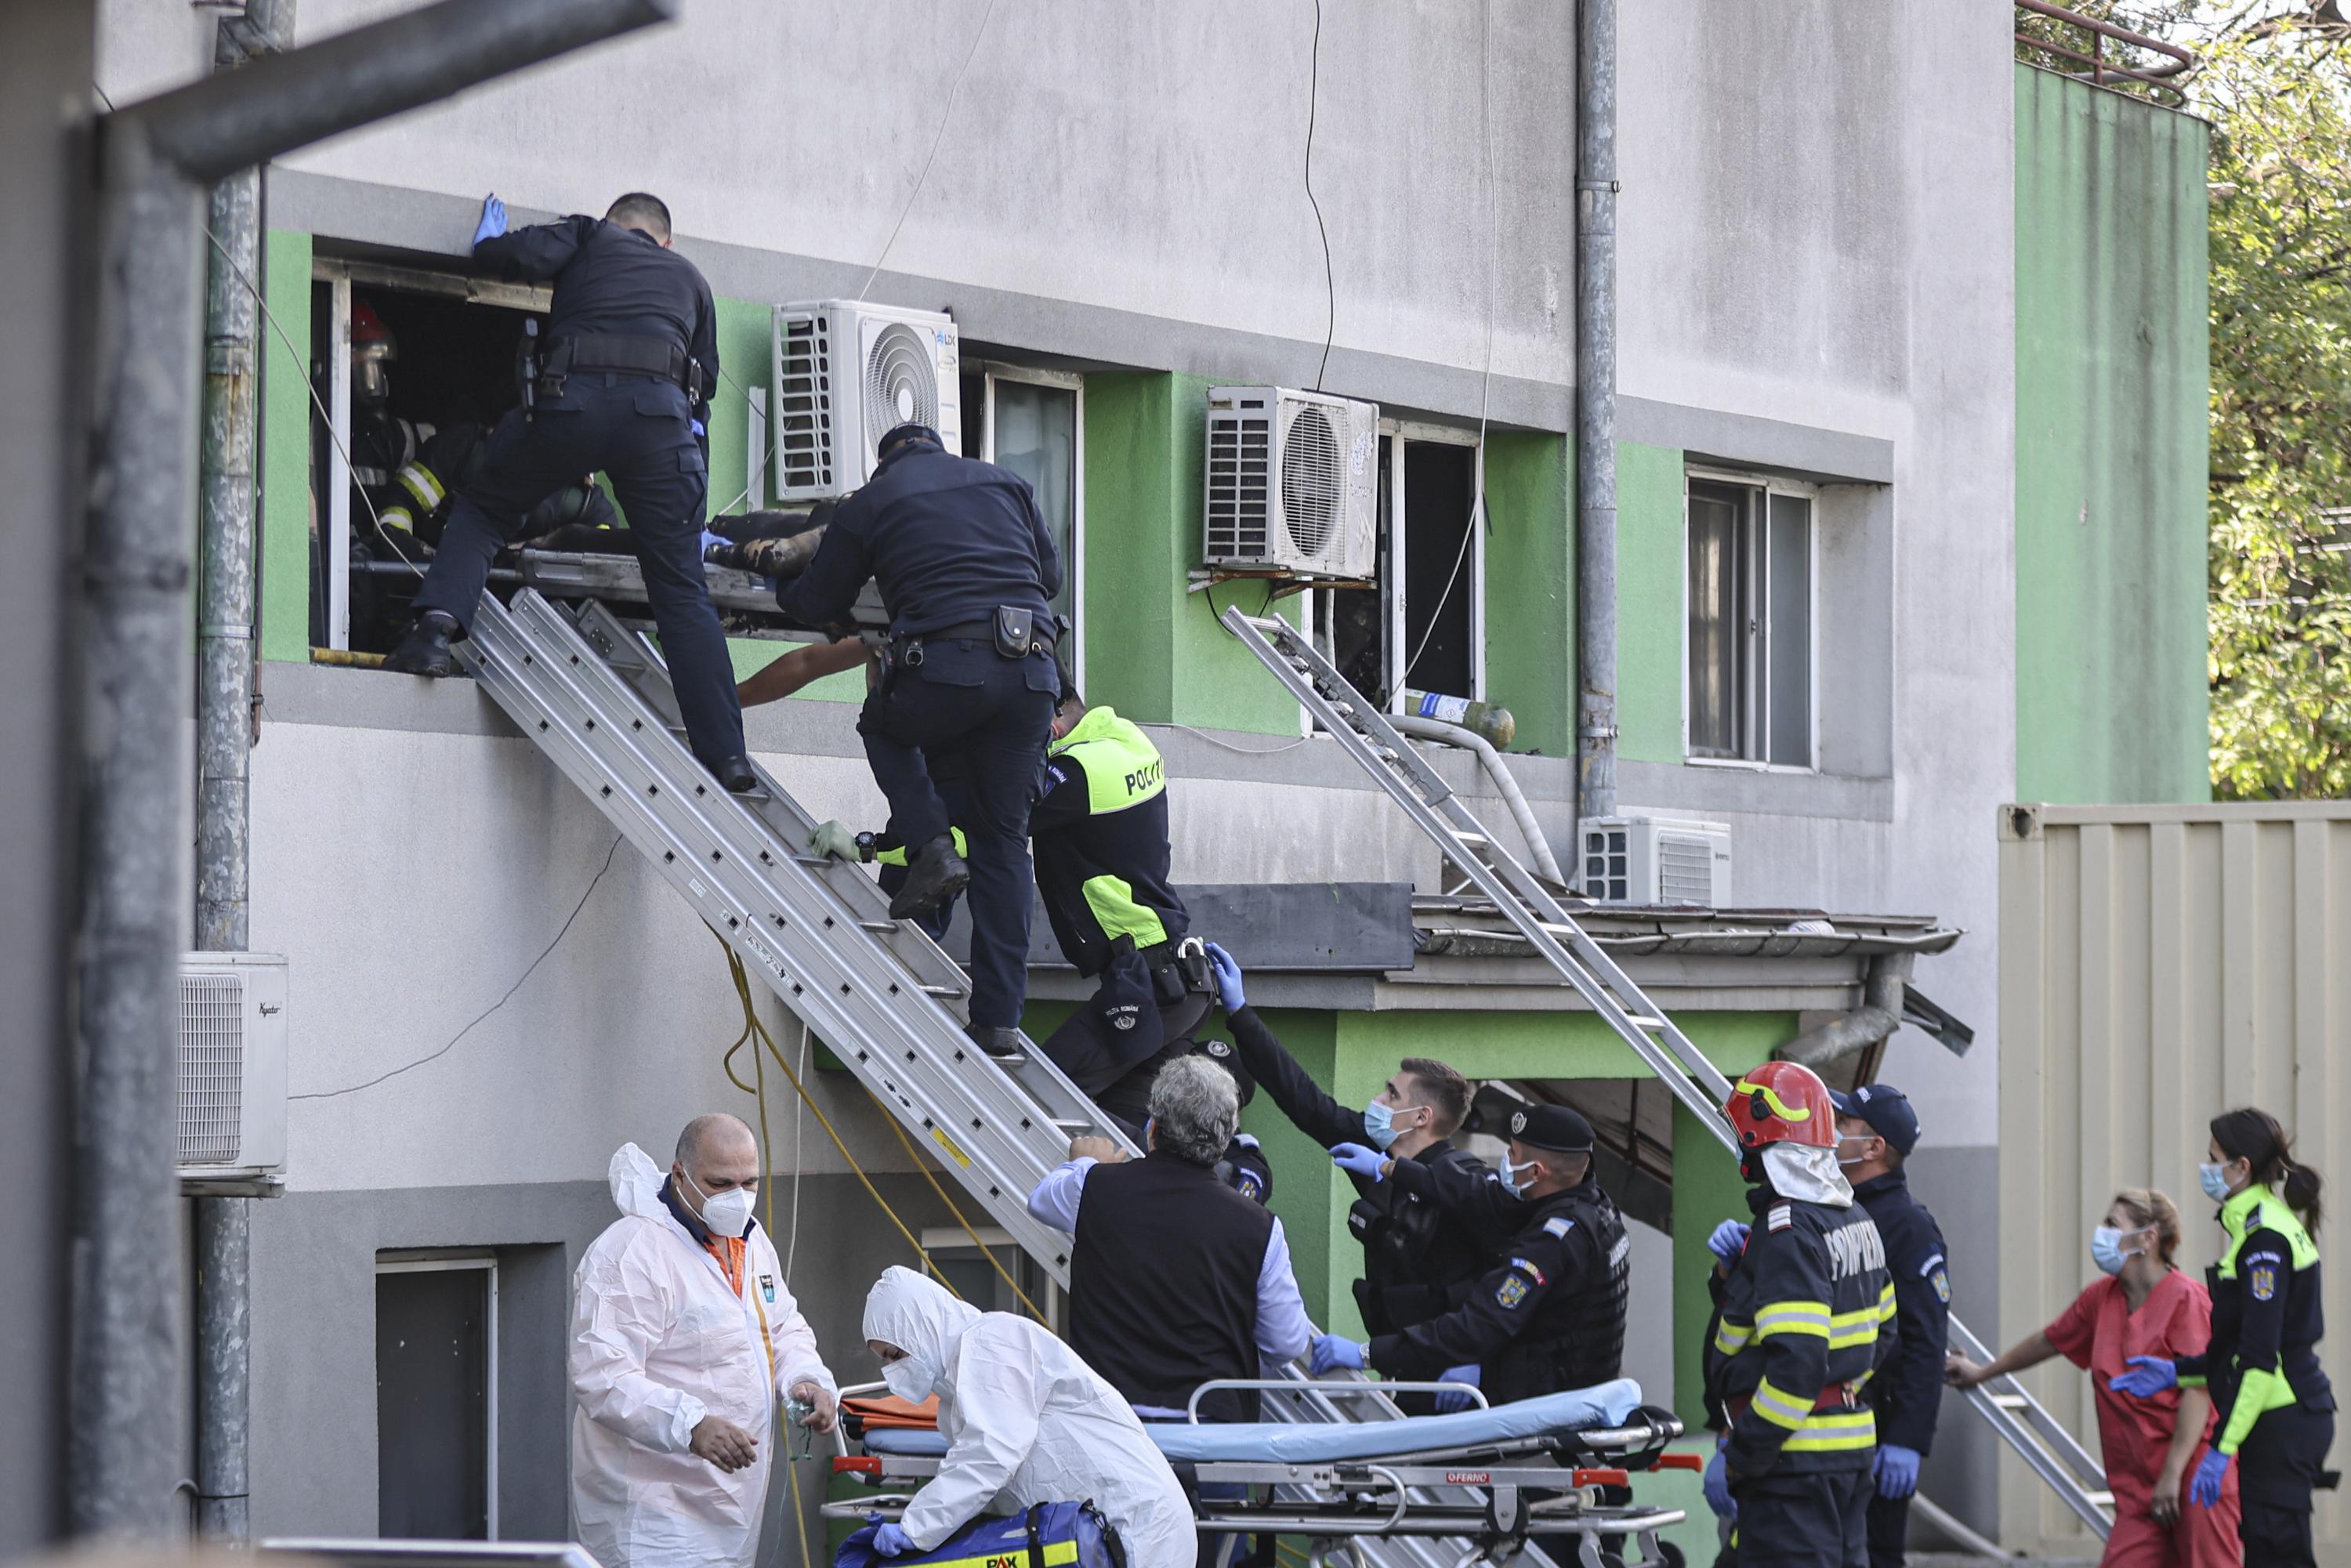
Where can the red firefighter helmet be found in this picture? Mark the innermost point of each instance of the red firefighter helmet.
(1782, 1102)
(367, 330)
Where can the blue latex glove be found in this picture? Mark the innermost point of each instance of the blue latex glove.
(1897, 1471)
(890, 1540)
(493, 219)
(1331, 1350)
(1730, 1240)
(1228, 978)
(1716, 1485)
(700, 429)
(2148, 1377)
(711, 541)
(1450, 1399)
(1357, 1160)
(2204, 1491)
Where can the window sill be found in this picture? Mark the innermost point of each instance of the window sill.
(1713, 786)
(1743, 765)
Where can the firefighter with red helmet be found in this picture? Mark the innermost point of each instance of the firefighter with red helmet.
(1806, 1316)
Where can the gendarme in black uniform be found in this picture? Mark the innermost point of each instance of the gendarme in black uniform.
(967, 570)
(1415, 1266)
(1906, 1394)
(1552, 1316)
(631, 348)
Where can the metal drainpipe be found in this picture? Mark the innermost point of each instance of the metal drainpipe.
(1513, 798)
(155, 161)
(1595, 407)
(225, 731)
(1879, 1015)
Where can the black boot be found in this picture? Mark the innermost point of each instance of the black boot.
(736, 774)
(424, 651)
(935, 874)
(1000, 1044)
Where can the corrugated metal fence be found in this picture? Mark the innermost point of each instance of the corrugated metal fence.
(2159, 964)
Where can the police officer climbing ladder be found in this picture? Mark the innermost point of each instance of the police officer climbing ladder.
(632, 346)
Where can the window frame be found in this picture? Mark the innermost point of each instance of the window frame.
(992, 372)
(340, 273)
(437, 1262)
(1758, 688)
(956, 1244)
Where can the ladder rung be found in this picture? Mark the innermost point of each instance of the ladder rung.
(879, 927)
(942, 991)
(816, 861)
(2007, 1401)
(1643, 1020)
(2102, 1498)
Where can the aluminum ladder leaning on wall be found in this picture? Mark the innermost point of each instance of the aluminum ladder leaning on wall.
(1384, 753)
(594, 695)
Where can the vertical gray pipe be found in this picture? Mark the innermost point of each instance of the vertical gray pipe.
(125, 1370)
(1596, 408)
(226, 629)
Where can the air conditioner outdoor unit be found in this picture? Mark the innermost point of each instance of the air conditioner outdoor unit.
(1293, 482)
(232, 1066)
(1655, 859)
(845, 375)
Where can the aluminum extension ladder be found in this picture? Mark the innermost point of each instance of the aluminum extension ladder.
(594, 695)
(1383, 752)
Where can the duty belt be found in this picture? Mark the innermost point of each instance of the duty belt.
(982, 631)
(621, 353)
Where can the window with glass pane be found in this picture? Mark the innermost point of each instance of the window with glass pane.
(1037, 438)
(1750, 636)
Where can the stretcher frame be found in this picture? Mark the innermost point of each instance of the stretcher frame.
(1524, 1485)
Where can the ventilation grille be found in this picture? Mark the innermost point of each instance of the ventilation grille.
(1608, 864)
(804, 405)
(902, 384)
(212, 1069)
(1313, 489)
(1240, 473)
(1685, 869)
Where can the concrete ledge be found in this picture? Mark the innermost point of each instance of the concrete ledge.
(1746, 441)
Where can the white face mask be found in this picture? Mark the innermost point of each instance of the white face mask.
(1851, 1138)
(910, 1378)
(725, 1213)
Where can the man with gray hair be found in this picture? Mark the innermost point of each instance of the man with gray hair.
(1176, 1278)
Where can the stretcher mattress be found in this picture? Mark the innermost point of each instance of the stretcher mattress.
(1607, 1405)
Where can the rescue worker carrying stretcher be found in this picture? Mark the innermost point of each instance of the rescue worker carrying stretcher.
(1807, 1316)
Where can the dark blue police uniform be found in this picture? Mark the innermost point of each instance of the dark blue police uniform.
(950, 541)
(632, 320)
(1906, 1394)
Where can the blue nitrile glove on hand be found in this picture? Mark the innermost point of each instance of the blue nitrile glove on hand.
(1357, 1160)
(711, 541)
(1897, 1471)
(1728, 1240)
(700, 429)
(493, 219)
(1332, 1351)
(1716, 1485)
(2204, 1491)
(1228, 980)
(2148, 1377)
(1453, 1399)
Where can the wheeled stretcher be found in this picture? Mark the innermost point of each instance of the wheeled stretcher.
(1490, 1478)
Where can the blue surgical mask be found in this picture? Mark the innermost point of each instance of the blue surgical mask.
(1514, 1187)
(2215, 1180)
(2107, 1251)
(1379, 1123)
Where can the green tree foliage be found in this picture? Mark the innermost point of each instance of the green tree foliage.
(2278, 97)
(2273, 77)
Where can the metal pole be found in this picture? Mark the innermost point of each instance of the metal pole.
(1595, 407)
(154, 160)
(225, 737)
(125, 1373)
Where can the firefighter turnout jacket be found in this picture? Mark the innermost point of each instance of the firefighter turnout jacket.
(1100, 836)
(1808, 1316)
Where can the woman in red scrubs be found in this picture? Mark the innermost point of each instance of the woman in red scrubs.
(2143, 1306)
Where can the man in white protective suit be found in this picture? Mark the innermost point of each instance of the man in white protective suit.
(1026, 1422)
(683, 1335)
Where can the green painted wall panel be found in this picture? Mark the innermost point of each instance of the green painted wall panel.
(1649, 635)
(285, 435)
(1131, 534)
(1530, 586)
(2112, 372)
